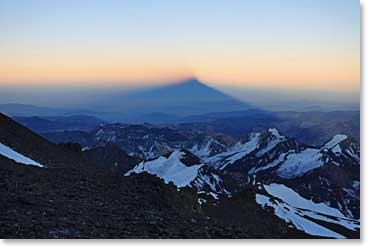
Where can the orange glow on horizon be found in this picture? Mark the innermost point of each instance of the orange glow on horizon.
(299, 69)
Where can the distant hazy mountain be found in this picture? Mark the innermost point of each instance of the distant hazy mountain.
(18, 109)
(29, 110)
(312, 128)
(59, 123)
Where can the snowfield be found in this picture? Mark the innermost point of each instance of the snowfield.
(289, 214)
(15, 156)
(293, 208)
(170, 169)
(294, 199)
(297, 164)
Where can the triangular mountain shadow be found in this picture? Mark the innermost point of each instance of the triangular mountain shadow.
(188, 97)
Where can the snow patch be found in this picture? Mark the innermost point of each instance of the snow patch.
(11, 154)
(201, 201)
(85, 149)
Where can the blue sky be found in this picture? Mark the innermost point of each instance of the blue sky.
(287, 44)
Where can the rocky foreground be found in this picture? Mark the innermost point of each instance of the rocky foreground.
(96, 203)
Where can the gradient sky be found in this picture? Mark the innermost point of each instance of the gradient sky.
(290, 44)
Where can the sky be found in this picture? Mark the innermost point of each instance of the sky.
(271, 44)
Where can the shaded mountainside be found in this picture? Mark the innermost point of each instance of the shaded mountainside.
(81, 137)
(112, 157)
(22, 140)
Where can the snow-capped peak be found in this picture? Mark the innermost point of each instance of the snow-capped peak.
(208, 147)
(342, 146)
(335, 140)
(183, 169)
(170, 168)
(274, 132)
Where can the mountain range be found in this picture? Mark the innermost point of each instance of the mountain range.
(51, 191)
(135, 181)
(188, 105)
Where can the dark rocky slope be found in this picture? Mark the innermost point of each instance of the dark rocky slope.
(110, 156)
(96, 203)
(28, 143)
